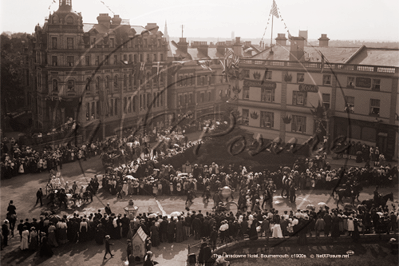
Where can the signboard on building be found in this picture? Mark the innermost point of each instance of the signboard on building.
(308, 88)
(363, 82)
(260, 83)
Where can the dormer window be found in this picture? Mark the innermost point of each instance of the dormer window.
(69, 20)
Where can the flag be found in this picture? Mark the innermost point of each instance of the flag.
(158, 66)
(228, 54)
(176, 66)
(274, 11)
(205, 64)
(142, 66)
(224, 69)
(235, 62)
(265, 75)
(322, 62)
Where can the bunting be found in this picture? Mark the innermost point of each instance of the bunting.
(235, 62)
(205, 64)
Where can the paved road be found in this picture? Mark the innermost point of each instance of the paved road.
(22, 189)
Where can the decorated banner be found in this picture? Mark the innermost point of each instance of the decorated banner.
(308, 88)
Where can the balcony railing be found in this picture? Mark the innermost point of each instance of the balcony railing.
(316, 65)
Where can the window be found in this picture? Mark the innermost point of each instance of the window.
(54, 61)
(54, 42)
(111, 107)
(88, 111)
(350, 82)
(124, 57)
(326, 79)
(298, 98)
(70, 61)
(69, 20)
(266, 119)
(124, 81)
(298, 124)
(106, 61)
(209, 96)
(116, 81)
(71, 85)
(326, 100)
(93, 113)
(98, 83)
(148, 57)
(375, 107)
(267, 95)
(185, 99)
(98, 108)
(69, 43)
(107, 82)
(376, 85)
(245, 117)
(268, 75)
(129, 102)
(87, 60)
(130, 80)
(125, 105)
(130, 58)
(112, 42)
(202, 97)
(191, 98)
(135, 58)
(97, 60)
(246, 92)
(88, 84)
(246, 73)
(141, 58)
(180, 100)
(55, 85)
(148, 99)
(115, 59)
(158, 96)
(94, 41)
(161, 57)
(145, 42)
(300, 77)
(350, 104)
(155, 57)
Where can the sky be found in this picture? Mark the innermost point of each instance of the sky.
(339, 19)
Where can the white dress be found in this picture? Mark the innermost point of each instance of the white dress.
(351, 226)
(277, 231)
(24, 242)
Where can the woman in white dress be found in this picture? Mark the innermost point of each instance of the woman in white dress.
(276, 231)
(25, 239)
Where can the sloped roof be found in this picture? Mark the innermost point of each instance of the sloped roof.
(377, 57)
(141, 234)
(98, 27)
(312, 54)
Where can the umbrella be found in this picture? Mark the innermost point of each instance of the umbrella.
(130, 177)
(321, 204)
(152, 215)
(175, 214)
(286, 169)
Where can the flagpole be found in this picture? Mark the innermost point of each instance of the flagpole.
(271, 37)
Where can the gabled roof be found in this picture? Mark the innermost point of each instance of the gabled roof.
(87, 27)
(141, 234)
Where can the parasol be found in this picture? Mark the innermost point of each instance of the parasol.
(175, 214)
(286, 169)
(152, 215)
(131, 177)
(321, 204)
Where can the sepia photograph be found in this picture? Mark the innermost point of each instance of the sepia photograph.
(199, 133)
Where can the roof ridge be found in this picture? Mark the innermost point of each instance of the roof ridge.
(354, 54)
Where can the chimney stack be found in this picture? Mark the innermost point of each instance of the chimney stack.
(183, 45)
(297, 48)
(323, 40)
(221, 48)
(152, 27)
(281, 39)
(304, 34)
(105, 20)
(237, 47)
(116, 20)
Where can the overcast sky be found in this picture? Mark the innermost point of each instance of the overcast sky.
(339, 19)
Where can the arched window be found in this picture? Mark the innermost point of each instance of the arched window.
(108, 82)
(71, 85)
(116, 81)
(69, 20)
(55, 85)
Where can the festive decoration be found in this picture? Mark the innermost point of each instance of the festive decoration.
(256, 75)
(254, 115)
(287, 119)
(236, 90)
(287, 77)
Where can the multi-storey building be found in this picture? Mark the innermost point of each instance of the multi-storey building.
(358, 88)
(105, 74)
(197, 89)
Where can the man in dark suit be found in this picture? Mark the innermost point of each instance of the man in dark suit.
(107, 247)
(196, 224)
(39, 197)
(163, 228)
(328, 222)
(171, 230)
